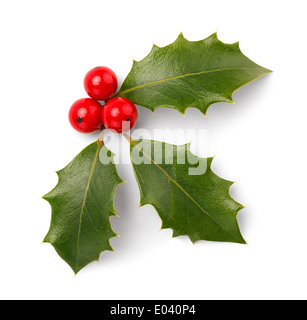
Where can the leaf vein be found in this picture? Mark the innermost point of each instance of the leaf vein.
(181, 76)
(178, 185)
(84, 202)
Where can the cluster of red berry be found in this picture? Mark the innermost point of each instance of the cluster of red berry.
(88, 115)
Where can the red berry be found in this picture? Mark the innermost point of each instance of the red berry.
(85, 115)
(119, 114)
(100, 83)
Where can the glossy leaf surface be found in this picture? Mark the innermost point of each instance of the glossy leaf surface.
(188, 196)
(189, 74)
(82, 204)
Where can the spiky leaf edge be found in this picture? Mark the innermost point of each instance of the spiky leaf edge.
(45, 197)
(181, 37)
(210, 159)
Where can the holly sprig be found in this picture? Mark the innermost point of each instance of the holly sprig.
(181, 75)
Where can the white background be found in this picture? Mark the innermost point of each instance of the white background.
(46, 47)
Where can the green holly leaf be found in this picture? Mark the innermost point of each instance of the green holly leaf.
(189, 74)
(82, 204)
(188, 196)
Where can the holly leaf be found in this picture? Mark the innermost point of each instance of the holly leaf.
(189, 74)
(82, 204)
(188, 196)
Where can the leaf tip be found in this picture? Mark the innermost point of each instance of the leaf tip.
(267, 71)
(180, 34)
(154, 47)
(236, 44)
(76, 271)
(180, 38)
(210, 160)
(188, 144)
(134, 62)
(214, 36)
(46, 198)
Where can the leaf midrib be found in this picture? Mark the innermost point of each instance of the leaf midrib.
(84, 200)
(176, 183)
(181, 76)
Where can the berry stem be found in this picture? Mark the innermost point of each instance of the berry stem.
(101, 136)
(127, 137)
